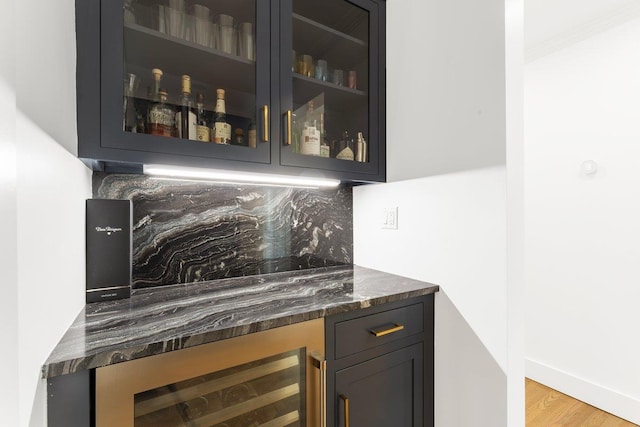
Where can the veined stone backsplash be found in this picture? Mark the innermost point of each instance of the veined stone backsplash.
(189, 231)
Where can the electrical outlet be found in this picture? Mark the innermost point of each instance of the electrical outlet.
(390, 218)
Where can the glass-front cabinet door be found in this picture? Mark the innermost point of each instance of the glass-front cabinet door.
(187, 78)
(330, 81)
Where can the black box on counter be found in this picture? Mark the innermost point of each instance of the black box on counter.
(109, 247)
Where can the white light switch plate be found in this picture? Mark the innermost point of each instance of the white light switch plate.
(390, 218)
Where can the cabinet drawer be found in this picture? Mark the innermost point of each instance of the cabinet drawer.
(353, 336)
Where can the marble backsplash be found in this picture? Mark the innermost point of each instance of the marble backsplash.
(190, 231)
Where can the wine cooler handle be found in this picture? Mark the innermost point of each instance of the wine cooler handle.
(265, 134)
(289, 119)
(345, 399)
(320, 363)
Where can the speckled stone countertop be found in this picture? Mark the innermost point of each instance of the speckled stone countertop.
(160, 320)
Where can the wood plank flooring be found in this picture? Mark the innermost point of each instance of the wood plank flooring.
(546, 407)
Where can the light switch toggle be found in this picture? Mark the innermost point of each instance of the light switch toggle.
(589, 167)
(390, 218)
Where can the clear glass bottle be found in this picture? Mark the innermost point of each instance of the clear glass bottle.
(203, 132)
(252, 134)
(129, 113)
(221, 128)
(325, 150)
(186, 120)
(310, 137)
(161, 117)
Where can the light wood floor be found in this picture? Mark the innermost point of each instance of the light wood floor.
(546, 407)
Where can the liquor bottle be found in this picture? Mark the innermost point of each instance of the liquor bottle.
(203, 133)
(221, 128)
(154, 95)
(325, 150)
(310, 140)
(345, 152)
(238, 138)
(252, 134)
(161, 117)
(361, 149)
(186, 120)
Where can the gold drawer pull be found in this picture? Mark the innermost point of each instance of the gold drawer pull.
(265, 133)
(345, 399)
(384, 332)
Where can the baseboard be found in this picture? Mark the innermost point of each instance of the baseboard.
(608, 400)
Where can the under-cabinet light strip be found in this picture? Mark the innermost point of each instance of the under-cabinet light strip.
(228, 176)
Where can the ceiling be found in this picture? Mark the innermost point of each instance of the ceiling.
(547, 20)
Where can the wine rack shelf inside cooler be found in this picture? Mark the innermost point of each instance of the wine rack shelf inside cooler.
(268, 383)
(152, 49)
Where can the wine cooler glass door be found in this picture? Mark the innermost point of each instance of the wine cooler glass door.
(187, 78)
(330, 84)
(268, 391)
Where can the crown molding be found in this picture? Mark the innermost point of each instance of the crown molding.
(578, 33)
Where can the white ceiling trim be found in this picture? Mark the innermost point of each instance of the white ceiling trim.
(617, 16)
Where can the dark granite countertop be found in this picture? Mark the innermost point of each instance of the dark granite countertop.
(160, 320)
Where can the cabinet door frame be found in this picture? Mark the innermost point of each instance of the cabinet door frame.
(344, 378)
(375, 169)
(104, 139)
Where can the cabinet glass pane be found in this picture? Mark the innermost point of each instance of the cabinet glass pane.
(330, 79)
(191, 65)
(268, 392)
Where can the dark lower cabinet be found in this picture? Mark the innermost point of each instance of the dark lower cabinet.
(383, 392)
(380, 366)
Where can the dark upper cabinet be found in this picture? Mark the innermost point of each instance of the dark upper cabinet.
(301, 80)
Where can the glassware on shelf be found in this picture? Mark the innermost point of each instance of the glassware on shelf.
(247, 47)
(129, 12)
(352, 79)
(175, 22)
(227, 38)
(338, 77)
(129, 113)
(321, 70)
(201, 25)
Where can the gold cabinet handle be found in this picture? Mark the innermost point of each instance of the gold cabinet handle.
(381, 333)
(265, 134)
(345, 399)
(320, 363)
(289, 120)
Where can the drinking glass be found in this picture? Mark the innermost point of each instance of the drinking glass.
(228, 36)
(174, 22)
(202, 30)
(246, 43)
(338, 77)
(321, 70)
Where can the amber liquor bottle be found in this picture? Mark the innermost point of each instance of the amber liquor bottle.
(221, 128)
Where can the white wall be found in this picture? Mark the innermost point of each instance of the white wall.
(51, 188)
(452, 232)
(8, 219)
(445, 86)
(582, 232)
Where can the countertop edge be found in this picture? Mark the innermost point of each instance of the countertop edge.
(56, 368)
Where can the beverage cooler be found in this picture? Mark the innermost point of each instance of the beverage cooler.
(274, 378)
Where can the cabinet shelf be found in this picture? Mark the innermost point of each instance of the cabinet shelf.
(152, 49)
(322, 42)
(307, 88)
